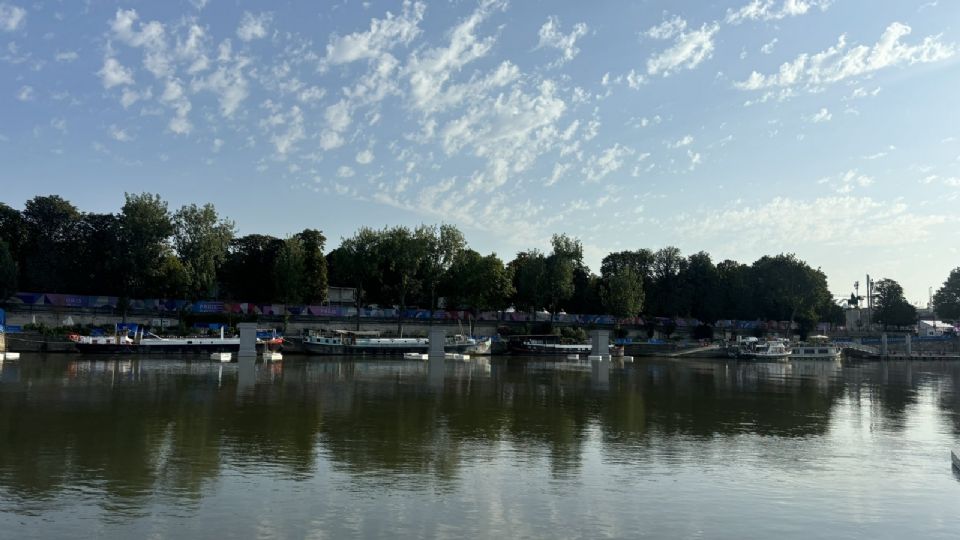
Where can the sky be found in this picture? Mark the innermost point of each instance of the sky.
(825, 128)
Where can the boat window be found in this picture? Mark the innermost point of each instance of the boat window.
(189, 342)
(823, 351)
(809, 351)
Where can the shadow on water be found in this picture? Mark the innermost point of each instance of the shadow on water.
(133, 429)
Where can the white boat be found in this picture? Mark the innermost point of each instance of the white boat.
(271, 356)
(370, 342)
(221, 356)
(757, 349)
(415, 356)
(816, 348)
(10, 356)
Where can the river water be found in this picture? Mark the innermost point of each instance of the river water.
(502, 448)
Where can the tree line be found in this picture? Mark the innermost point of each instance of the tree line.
(147, 250)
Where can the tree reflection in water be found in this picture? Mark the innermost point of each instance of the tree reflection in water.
(132, 429)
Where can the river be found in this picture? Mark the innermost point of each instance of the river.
(501, 448)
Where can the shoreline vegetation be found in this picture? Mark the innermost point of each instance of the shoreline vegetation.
(146, 250)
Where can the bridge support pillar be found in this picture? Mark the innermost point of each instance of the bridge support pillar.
(248, 340)
(600, 343)
(883, 345)
(909, 345)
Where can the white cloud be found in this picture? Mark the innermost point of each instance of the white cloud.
(59, 124)
(383, 35)
(667, 29)
(11, 17)
(338, 116)
(68, 56)
(253, 26)
(227, 81)
(364, 157)
(838, 63)
(345, 171)
(688, 51)
(766, 10)
(150, 36)
(551, 36)
(286, 141)
(119, 134)
(26, 93)
(129, 97)
(430, 70)
(823, 115)
(330, 140)
(767, 47)
(113, 73)
(824, 221)
(686, 140)
(607, 162)
(847, 182)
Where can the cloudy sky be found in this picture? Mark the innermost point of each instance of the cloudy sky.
(827, 128)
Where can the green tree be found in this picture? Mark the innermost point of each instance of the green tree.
(891, 307)
(560, 266)
(248, 273)
(145, 229)
(314, 266)
(789, 289)
(737, 291)
(99, 256)
(442, 246)
(356, 262)
(290, 272)
(529, 271)
(702, 281)
(477, 283)
(48, 256)
(172, 278)
(402, 252)
(13, 231)
(622, 293)
(202, 239)
(946, 301)
(8, 273)
(670, 294)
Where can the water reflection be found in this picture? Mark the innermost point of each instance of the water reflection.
(125, 433)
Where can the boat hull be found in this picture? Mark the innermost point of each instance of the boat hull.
(172, 349)
(534, 350)
(325, 349)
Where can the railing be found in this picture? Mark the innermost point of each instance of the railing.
(165, 306)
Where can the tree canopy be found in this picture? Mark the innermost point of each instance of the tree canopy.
(946, 301)
(891, 307)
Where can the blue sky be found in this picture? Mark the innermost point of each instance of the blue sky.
(827, 128)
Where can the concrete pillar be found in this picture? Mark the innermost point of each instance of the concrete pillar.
(600, 342)
(883, 344)
(3, 342)
(909, 345)
(248, 339)
(438, 337)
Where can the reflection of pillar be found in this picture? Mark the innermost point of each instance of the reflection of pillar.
(600, 342)
(883, 344)
(247, 373)
(909, 345)
(600, 370)
(435, 356)
(248, 339)
(435, 369)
